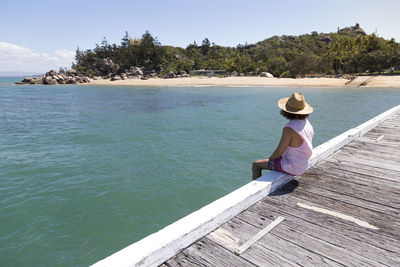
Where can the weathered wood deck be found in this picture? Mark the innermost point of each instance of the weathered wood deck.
(359, 183)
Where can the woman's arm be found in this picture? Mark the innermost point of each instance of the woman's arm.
(283, 144)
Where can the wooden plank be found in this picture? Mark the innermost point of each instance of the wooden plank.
(385, 127)
(368, 155)
(258, 236)
(387, 135)
(261, 256)
(387, 131)
(382, 143)
(397, 127)
(353, 199)
(390, 177)
(367, 161)
(272, 251)
(357, 144)
(385, 223)
(386, 140)
(206, 253)
(326, 249)
(365, 182)
(380, 150)
(392, 125)
(352, 206)
(285, 205)
(263, 212)
(334, 184)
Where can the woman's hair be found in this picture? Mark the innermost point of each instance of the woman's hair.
(291, 116)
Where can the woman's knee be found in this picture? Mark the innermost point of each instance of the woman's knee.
(260, 164)
(255, 165)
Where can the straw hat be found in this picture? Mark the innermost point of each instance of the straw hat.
(295, 104)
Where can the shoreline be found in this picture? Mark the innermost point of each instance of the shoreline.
(361, 81)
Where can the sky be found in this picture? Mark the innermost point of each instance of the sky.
(39, 35)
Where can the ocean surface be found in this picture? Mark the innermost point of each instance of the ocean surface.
(88, 170)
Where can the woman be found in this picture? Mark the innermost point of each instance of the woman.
(295, 147)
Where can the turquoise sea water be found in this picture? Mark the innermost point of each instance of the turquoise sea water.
(88, 170)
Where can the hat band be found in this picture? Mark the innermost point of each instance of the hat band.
(293, 109)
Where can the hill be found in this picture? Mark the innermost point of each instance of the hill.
(349, 50)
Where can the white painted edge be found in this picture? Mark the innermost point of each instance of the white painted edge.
(158, 247)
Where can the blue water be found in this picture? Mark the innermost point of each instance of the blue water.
(88, 170)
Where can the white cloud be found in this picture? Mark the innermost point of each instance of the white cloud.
(19, 58)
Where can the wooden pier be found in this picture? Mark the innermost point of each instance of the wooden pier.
(344, 210)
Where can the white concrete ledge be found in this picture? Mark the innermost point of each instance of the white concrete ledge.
(156, 248)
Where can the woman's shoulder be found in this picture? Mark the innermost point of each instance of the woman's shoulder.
(297, 123)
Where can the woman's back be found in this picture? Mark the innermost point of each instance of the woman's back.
(295, 159)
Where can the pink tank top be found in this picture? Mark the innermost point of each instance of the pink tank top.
(295, 159)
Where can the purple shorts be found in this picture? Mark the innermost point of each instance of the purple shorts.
(275, 164)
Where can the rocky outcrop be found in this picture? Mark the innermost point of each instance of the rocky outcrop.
(353, 29)
(106, 69)
(52, 78)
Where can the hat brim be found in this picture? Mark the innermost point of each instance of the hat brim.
(308, 109)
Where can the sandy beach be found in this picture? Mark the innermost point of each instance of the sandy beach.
(364, 81)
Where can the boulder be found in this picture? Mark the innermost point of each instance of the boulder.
(35, 80)
(136, 71)
(71, 80)
(182, 72)
(152, 75)
(71, 72)
(108, 66)
(86, 79)
(169, 75)
(50, 81)
(47, 79)
(27, 80)
(266, 74)
(116, 78)
(51, 73)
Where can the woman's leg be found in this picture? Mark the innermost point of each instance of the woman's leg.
(258, 166)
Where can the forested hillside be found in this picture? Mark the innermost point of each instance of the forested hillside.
(349, 50)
